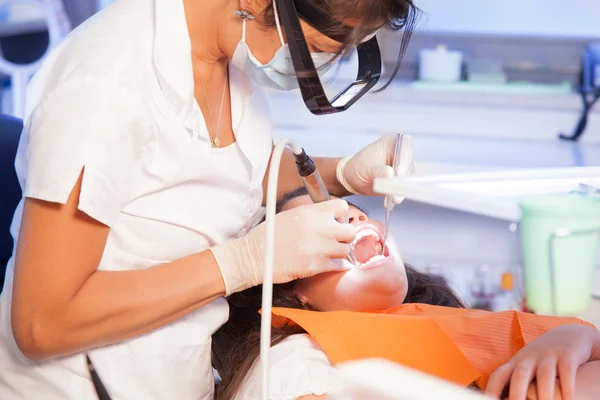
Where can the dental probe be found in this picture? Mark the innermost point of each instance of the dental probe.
(389, 200)
(314, 184)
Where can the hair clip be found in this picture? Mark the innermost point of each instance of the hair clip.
(244, 14)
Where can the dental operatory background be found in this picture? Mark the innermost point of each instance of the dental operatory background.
(485, 86)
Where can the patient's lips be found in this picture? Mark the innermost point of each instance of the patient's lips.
(368, 243)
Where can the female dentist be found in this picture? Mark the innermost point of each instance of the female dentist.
(143, 164)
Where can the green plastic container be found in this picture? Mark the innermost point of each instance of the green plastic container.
(574, 256)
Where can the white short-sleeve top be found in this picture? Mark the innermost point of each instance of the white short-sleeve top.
(297, 367)
(116, 99)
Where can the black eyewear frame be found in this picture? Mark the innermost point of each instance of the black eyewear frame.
(369, 59)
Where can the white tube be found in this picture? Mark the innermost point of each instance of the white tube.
(267, 293)
(296, 149)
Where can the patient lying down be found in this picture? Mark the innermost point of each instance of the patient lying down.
(424, 326)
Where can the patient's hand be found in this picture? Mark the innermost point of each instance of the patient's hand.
(532, 392)
(588, 386)
(557, 353)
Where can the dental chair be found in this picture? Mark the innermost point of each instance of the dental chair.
(10, 190)
(20, 55)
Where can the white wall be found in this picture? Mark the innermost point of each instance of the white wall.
(577, 18)
(446, 113)
(573, 18)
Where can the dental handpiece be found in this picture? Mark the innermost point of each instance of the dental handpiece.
(314, 185)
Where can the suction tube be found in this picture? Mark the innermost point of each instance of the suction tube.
(314, 185)
(318, 193)
(267, 289)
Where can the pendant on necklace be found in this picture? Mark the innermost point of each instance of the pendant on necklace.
(215, 142)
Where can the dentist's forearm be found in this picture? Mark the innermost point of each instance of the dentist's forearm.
(147, 300)
(112, 306)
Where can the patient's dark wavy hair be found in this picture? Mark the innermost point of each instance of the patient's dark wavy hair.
(236, 346)
(396, 15)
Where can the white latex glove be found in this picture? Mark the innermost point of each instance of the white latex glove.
(307, 240)
(358, 172)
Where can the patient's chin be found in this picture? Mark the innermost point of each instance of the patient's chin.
(369, 295)
(376, 301)
(356, 289)
(392, 291)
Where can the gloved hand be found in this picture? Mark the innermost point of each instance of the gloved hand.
(357, 173)
(307, 240)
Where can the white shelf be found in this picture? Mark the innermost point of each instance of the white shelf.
(478, 116)
(491, 194)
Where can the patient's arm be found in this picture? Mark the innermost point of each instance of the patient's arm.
(587, 386)
(313, 397)
(558, 352)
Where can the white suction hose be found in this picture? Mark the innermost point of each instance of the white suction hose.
(267, 294)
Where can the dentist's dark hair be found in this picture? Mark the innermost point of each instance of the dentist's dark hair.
(396, 15)
(236, 346)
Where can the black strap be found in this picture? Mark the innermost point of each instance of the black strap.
(583, 119)
(319, 20)
(98, 385)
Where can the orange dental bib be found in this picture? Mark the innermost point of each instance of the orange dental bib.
(459, 345)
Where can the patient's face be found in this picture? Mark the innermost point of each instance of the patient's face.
(376, 285)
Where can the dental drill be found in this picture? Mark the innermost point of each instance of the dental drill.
(314, 184)
(311, 178)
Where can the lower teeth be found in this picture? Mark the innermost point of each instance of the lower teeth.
(373, 259)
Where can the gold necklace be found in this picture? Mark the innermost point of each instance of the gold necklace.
(214, 139)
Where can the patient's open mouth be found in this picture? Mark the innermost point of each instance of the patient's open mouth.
(368, 244)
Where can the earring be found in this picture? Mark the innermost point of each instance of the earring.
(244, 14)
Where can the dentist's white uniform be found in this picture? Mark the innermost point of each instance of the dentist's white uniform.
(116, 98)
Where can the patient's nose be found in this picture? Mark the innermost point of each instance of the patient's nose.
(357, 217)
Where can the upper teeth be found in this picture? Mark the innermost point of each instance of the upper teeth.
(364, 233)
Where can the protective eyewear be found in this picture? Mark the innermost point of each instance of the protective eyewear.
(369, 58)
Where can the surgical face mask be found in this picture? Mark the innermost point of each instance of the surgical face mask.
(278, 73)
